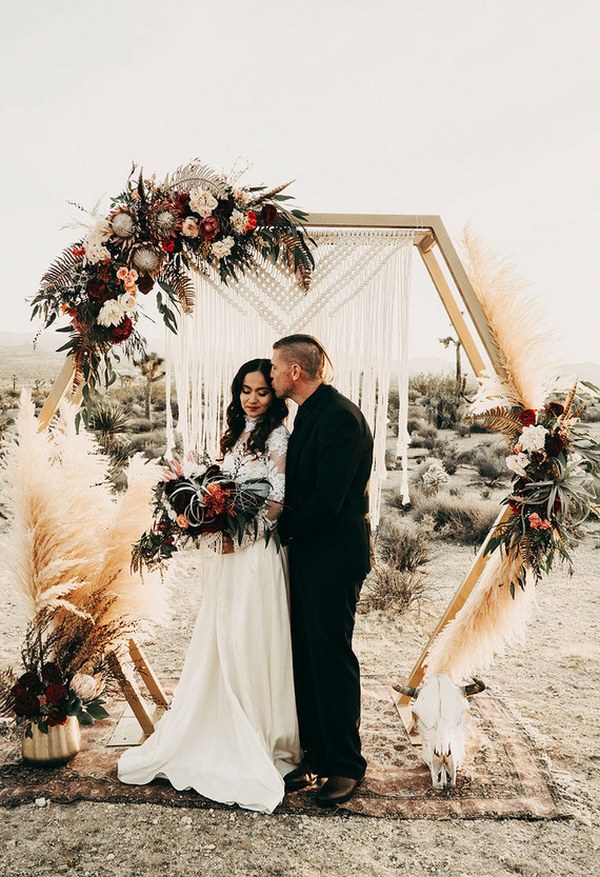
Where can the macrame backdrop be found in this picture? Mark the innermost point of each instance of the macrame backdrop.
(357, 306)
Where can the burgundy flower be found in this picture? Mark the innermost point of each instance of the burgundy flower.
(51, 673)
(556, 408)
(145, 283)
(27, 705)
(555, 444)
(251, 220)
(514, 507)
(56, 693)
(29, 680)
(182, 201)
(168, 245)
(98, 291)
(122, 331)
(58, 718)
(209, 228)
(268, 215)
(528, 416)
(17, 690)
(225, 206)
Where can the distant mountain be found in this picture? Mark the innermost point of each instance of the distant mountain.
(21, 344)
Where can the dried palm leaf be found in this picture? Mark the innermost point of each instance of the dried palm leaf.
(193, 174)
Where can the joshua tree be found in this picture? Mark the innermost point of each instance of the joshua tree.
(460, 380)
(151, 368)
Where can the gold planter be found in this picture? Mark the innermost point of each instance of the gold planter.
(59, 745)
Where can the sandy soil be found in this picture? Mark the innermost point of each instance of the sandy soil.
(553, 683)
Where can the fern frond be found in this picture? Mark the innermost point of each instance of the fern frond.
(500, 419)
(181, 284)
(62, 274)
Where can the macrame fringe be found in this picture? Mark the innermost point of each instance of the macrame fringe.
(357, 305)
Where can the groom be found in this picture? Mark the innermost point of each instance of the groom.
(325, 526)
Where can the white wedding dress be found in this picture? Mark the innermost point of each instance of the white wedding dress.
(231, 732)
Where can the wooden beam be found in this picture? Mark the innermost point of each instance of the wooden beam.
(149, 678)
(61, 387)
(459, 599)
(449, 301)
(132, 693)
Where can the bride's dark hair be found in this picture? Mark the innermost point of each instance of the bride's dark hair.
(236, 417)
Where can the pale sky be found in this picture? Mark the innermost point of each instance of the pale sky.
(486, 112)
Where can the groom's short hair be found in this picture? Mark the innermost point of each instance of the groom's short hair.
(307, 351)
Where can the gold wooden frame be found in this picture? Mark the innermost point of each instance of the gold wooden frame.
(430, 233)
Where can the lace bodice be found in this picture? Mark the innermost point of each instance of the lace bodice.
(244, 465)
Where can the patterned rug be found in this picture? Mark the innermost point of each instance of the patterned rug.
(503, 776)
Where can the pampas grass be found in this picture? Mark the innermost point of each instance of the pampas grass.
(68, 550)
(490, 621)
(515, 320)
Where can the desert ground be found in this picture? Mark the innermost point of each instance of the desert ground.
(552, 682)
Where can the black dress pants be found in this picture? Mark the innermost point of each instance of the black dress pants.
(326, 670)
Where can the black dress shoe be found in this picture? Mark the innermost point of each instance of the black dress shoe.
(299, 778)
(337, 790)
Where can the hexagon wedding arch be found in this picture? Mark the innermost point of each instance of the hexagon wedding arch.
(236, 269)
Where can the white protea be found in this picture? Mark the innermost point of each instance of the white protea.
(123, 224)
(146, 259)
(87, 687)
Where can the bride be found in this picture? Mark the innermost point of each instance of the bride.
(231, 732)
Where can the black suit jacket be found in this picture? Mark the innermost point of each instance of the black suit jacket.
(329, 459)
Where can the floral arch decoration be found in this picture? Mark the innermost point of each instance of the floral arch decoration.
(153, 236)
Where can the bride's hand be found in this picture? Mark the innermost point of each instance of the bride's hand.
(227, 544)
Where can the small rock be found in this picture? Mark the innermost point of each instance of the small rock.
(210, 847)
(40, 802)
(110, 857)
(186, 820)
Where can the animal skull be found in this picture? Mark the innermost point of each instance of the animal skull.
(440, 715)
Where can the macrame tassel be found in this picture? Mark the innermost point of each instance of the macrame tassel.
(357, 306)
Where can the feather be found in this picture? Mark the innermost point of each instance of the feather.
(514, 317)
(490, 621)
(195, 174)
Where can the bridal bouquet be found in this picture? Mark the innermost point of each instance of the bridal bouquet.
(195, 499)
(555, 463)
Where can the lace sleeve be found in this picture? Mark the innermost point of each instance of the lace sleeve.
(274, 458)
(276, 453)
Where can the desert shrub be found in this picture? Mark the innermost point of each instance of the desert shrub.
(478, 428)
(391, 460)
(426, 437)
(140, 424)
(448, 454)
(442, 400)
(393, 498)
(151, 444)
(489, 461)
(401, 543)
(463, 429)
(459, 520)
(109, 418)
(457, 491)
(387, 588)
(591, 413)
(416, 424)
